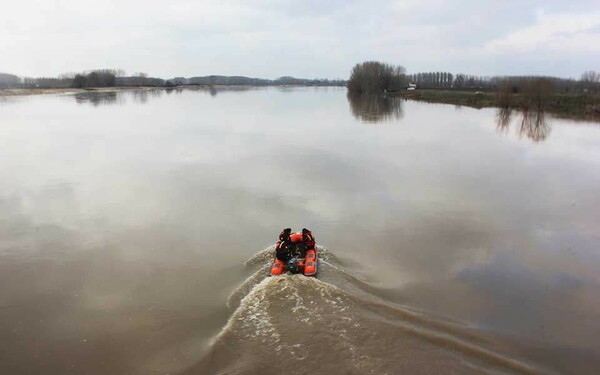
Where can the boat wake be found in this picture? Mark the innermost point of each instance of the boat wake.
(338, 324)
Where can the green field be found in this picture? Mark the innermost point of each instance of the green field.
(579, 106)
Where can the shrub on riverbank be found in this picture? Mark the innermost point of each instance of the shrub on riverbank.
(372, 77)
(97, 78)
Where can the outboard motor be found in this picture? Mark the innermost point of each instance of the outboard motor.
(292, 265)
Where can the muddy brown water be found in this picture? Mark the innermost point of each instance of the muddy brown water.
(135, 234)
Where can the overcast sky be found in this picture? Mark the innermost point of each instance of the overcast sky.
(303, 38)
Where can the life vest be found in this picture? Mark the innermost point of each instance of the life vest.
(304, 238)
(308, 239)
(285, 234)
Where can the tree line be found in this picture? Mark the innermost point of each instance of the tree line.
(93, 78)
(218, 80)
(96, 78)
(374, 77)
(117, 77)
(8, 80)
(589, 81)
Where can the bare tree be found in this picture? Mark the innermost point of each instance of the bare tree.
(590, 76)
(537, 93)
(590, 80)
(504, 94)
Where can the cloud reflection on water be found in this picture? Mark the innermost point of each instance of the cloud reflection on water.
(154, 213)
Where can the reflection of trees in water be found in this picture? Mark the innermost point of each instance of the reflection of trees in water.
(6, 99)
(294, 88)
(503, 117)
(177, 90)
(285, 89)
(141, 96)
(531, 124)
(534, 126)
(215, 90)
(99, 98)
(375, 108)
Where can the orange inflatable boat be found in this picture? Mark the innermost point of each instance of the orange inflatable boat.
(300, 259)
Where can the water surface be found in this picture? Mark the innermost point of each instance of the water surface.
(132, 229)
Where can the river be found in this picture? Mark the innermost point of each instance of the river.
(136, 232)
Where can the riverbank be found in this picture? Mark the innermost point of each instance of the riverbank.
(49, 91)
(46, 91)
(576, 106)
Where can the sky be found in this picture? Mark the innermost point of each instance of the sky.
(303, 38)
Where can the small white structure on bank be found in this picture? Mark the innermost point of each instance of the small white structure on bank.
(412, 86)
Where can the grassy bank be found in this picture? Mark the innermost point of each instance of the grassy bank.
(577, 106)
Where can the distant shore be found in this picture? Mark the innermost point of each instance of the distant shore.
(46, 91)
(49, 91)
(575, 106)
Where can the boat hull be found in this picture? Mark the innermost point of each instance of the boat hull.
(307, 266)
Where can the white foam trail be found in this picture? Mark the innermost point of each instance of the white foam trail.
(253, 320)
(250, 307)
(262, 257)
(244, 288)
(271, 308)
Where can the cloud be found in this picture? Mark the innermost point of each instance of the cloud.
(271, 38)
(557, 32)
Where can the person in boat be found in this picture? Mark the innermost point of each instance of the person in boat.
(283, 247)
(308, 239)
